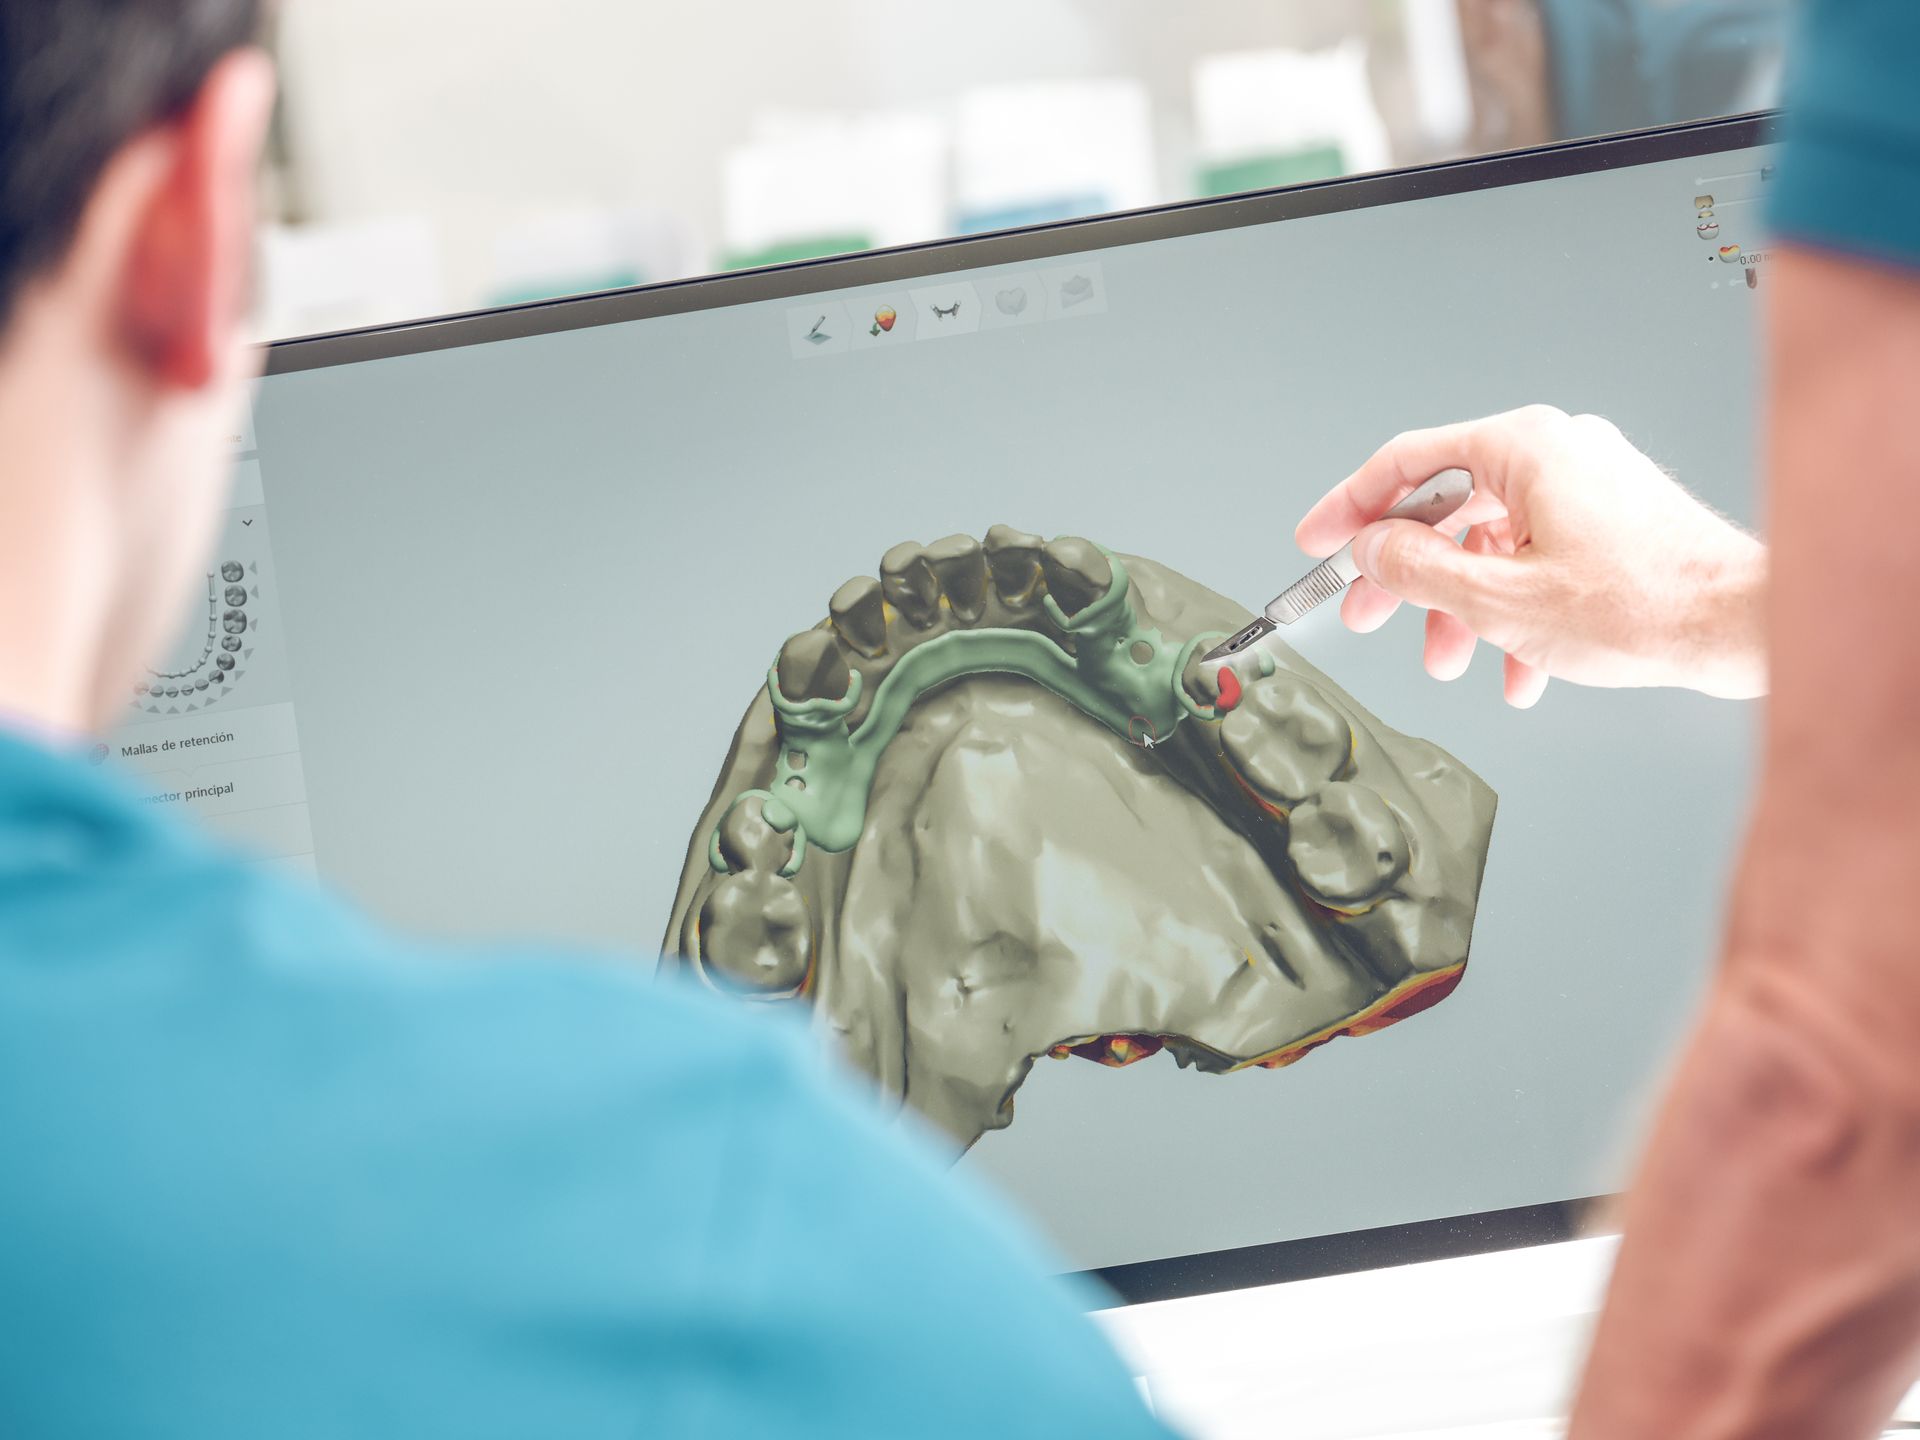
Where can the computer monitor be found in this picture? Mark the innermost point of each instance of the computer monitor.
(831, 629)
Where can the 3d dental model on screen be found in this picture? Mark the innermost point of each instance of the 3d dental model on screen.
(994, 809)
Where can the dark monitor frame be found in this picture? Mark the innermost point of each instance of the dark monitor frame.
(1223, 1269)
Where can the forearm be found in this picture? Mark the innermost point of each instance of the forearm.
(1721, 644)
(1769, 1285)
(1770, 1281)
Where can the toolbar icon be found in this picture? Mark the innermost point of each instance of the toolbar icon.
(1077, 290)
(1019, 298)
(820, 328)
(883, 320)
(1707, 225)
(946, 310)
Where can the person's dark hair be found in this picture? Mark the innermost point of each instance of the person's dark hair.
(78, 79)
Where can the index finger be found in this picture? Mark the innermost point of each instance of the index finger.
(1393, 471)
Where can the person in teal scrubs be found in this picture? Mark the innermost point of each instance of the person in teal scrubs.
(267, 1171)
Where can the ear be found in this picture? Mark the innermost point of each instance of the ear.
(188, 278)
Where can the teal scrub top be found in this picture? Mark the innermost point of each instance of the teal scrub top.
(1850, 176)
(266, 1170)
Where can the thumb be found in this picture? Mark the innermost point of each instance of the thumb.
(1418, 564)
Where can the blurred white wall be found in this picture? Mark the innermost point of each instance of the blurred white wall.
(552, 146)
(481, 115)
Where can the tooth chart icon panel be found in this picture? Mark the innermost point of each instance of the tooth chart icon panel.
(993, 810)
(210, 729)
(211, 661)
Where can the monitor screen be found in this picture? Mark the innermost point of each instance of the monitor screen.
(832, 630)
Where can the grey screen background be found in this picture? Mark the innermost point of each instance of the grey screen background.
(529, 588)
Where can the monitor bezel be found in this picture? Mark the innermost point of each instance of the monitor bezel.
(1148, 1280)
(1019, 246)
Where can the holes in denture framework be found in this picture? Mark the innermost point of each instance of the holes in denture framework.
(1141, 652)
(794, 782)
(796, 759)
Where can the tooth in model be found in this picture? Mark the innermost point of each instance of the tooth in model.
(1347, 847)
(1077, 573)
(754, 933)
(961, 569)
(859, 616)
(1014, 558)
(1202, 682)
(748, 842)
(811, 667)
(908, 582)
(1285, 740)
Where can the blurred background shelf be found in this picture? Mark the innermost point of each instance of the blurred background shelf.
(437, 156)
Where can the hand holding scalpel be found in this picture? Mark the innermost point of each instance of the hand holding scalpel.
(1432, 502)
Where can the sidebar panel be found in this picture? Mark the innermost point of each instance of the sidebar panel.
(210, 729)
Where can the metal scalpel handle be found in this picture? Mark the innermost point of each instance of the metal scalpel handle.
(1434, 501)
(1431, 502)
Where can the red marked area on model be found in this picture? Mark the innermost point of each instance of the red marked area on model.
(1113, 1050)
(1409, 998)
(1229, 691)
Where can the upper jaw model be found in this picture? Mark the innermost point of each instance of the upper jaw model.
(994, 809)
